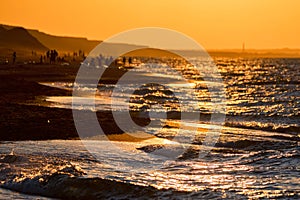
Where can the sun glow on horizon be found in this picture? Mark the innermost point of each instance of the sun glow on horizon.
(214, 24)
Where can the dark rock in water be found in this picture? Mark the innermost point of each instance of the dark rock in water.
(190, 153)
(165, 150)
(12, 159)
(151, 148)
(168, 126)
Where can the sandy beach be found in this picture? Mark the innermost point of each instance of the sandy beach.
(25, 114)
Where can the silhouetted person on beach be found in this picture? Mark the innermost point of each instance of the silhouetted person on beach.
(130, 60)
(48, 54)
(14, 57)
(41, 59)
(53, 55)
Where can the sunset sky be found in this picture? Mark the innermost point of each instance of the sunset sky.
(215, 24)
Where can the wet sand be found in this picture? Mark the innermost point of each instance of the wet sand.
(24, 113)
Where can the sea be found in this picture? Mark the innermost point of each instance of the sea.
(254, 153)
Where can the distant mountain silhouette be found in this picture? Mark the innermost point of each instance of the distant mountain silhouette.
(71, 44)
(64, 44)
(2, 28)
(14, 38)
(18, 38)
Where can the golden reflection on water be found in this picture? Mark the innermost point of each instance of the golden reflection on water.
(255, 91)
(203, 175)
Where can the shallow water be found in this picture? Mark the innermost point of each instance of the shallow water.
(256, 155)
(261, 93)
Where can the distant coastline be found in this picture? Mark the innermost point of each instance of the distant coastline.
(27, 40)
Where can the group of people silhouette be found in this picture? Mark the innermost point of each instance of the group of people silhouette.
(52, 55)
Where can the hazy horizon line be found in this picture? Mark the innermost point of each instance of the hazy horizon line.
(207, 49)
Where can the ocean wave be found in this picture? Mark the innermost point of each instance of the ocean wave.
(70, 174)
(60, 185)
(192, 151)
(289, 159)
(293, 129)
(57, 178)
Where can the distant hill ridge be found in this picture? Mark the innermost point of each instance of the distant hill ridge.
(13, 38)
(30, 39)
(65, 44)
(2, 29)
(18, 38)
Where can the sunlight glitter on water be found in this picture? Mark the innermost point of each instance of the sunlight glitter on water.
(241, 173)
(245, 163)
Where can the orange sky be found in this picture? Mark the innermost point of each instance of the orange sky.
(215, 24)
